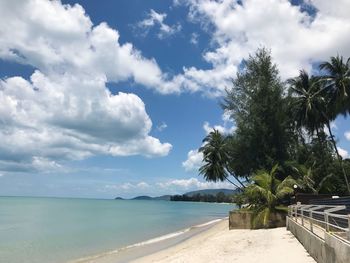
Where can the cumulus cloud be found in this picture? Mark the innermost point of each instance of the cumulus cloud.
(347, 135)
(63, 39)
(192, 184)
(195, 158)
(227, 127)
(343, 153)
(157, 19)
(65, 111)
(238, 28)
(64, 36)
(169, 186)
(194, 161)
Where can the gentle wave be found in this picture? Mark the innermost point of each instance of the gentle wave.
(149, 241)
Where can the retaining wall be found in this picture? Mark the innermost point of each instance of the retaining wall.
(330, 250)
(244, 220)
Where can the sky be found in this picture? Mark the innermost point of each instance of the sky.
(100, 99)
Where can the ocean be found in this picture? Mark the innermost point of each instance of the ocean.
(34, 229)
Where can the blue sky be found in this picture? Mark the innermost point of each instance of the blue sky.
(112, 98)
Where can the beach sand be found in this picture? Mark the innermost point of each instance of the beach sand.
(219, 244)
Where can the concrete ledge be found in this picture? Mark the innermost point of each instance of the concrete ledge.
(330, 250)
(244, 220)
(341, 249)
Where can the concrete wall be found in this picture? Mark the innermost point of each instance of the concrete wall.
(330, 250)
(340, 248)
(244, 220)
(240, 220)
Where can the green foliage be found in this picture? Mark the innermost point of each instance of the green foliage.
(281, 123)
(337, 81)
(239, 199)
(258, 108)
(267, 193)
(307, 103)
(211, 198)
(217, 159)
(318, 100)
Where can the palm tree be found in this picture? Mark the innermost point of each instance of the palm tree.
(306, 180)
(337, 81)
(313, 109)
(307, 102)
(216, 159)
(266, 194)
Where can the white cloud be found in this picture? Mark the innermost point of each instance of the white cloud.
(239, 29)
(343, 153)
(195, 158)
(61, 38)
(334, 125)
(157, 19)
(65, 111)
(142, 185)
(169, 186)
(162, 126)
(128, 186)
(228, 126)
(222, 129)
(192, 184)
(194, 161)
(194, 38)
(347, 135)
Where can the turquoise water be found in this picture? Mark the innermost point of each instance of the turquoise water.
(59, 229)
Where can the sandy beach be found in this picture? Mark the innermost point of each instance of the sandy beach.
(218, 244)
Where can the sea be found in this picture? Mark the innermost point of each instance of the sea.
(38, 229)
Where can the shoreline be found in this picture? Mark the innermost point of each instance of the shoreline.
(154, 245)
(212, 242)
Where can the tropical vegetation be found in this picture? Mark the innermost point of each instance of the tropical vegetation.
(284, 140)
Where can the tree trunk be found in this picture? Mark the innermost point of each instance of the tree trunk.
(232, 182)
(233, 174)
(338, 155)
(321, 143)
(318, 135)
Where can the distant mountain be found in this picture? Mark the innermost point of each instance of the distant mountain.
(146, 197)
(142, 197)
(190, 194)
(213, 192)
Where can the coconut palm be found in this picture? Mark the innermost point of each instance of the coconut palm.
(313, 108)
(216, 158)
(337, 81)
(307, 102)
(306, 181)
(266, 193)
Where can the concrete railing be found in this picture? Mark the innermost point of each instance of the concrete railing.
(326, 218)
(323, 230)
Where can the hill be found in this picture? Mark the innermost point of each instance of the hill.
(142, 197)
(212, 192)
